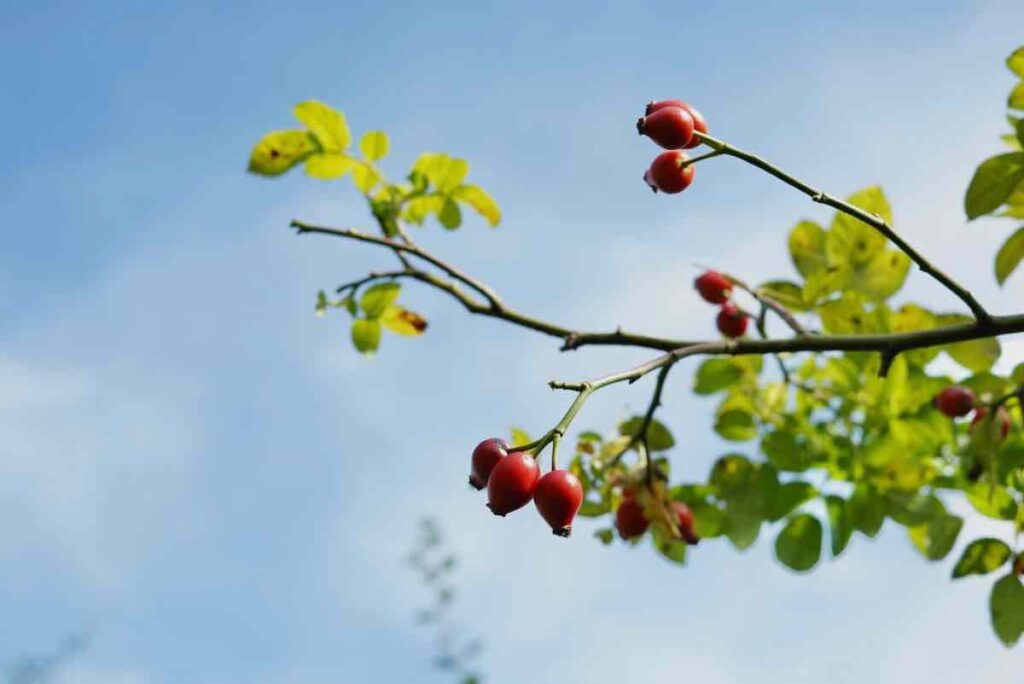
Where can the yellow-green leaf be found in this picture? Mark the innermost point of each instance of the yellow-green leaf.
(279, 151)
(882, 276)
(850, 240)
(974, 355)
(365, 177)
(981, 557)
(366, 335)
(480, 201)
(329, 165)
(807, 248)
(787, 293)
(1016, 98)
(417, 209)
(403, 322)
(519, 437)
(374, 145)
(450, 215)
(1009, 255)
(376, 300)
(326, 123)
(993, 182)
(1015, 62)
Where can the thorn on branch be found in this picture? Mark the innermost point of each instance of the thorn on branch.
(888, 356)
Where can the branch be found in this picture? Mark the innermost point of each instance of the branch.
(873, 220)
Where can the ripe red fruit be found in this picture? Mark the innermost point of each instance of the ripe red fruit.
(699, 123)
(512, 483)
(630, 520)
(955, 401)
(558, 497)
(713, 287)
(684, 518)
(731, 321)
(671, 127)
(1002, 415)
(485, 456)
(666, 173)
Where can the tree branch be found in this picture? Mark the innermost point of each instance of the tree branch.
(873, 220)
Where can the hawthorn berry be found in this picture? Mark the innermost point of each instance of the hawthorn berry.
(699, 123)
(485, 456)
(630, 520)
(512, 483)
(671, 127)
(1002, 415)
(714, 287)
(558, 497)
(668, 174)
(731, 321)
(685, 520)
(955, 401)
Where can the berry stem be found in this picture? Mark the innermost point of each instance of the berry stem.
(701, 157)
(873, 220)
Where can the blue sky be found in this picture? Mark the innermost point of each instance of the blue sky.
(205, 475)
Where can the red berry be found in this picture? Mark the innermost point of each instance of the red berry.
(630, 520)
(684, 518)
(666, 173)
(713, 287)
(955, 401)
(485, 457)
(1002, 415)
(558, 497)
(699, 123)
(512, 482)
(731, 321)
(672, 127)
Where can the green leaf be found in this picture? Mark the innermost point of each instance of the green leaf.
(736, 425)
(807, 248)
(935, 538)
(882, 276)
(669, 547)
(1006, 606)
(974, 355)
(445, 173)
(519, 436)
(866, 510)
(716, 374)
(366, 335)
(349, 304)
(787, 293)
(1009, 255)
(659, 437)
(992, 501)
(1016, 98)
(981, 557)
(788, 497)
(786, 451)
(850, 240)
(329, 166)
(365, 177)
(1018, 129)
(374, 145)
(326, 123)
(1015, 62)
(605, 535)
(993, 181)
(279, 151)
(403, 322)
(378, 298)
(839, 522)
(480, 201)
(418, 208)
(450, 215)
(798, 545)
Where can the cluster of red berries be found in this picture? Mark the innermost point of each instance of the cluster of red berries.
(716, 288)
(631, 522)
(513, 479)
(957, 401)
(671, 124)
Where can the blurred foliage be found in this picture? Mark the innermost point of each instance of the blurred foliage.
(435, 563)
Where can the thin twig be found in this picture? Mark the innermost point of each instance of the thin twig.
(873, 220)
